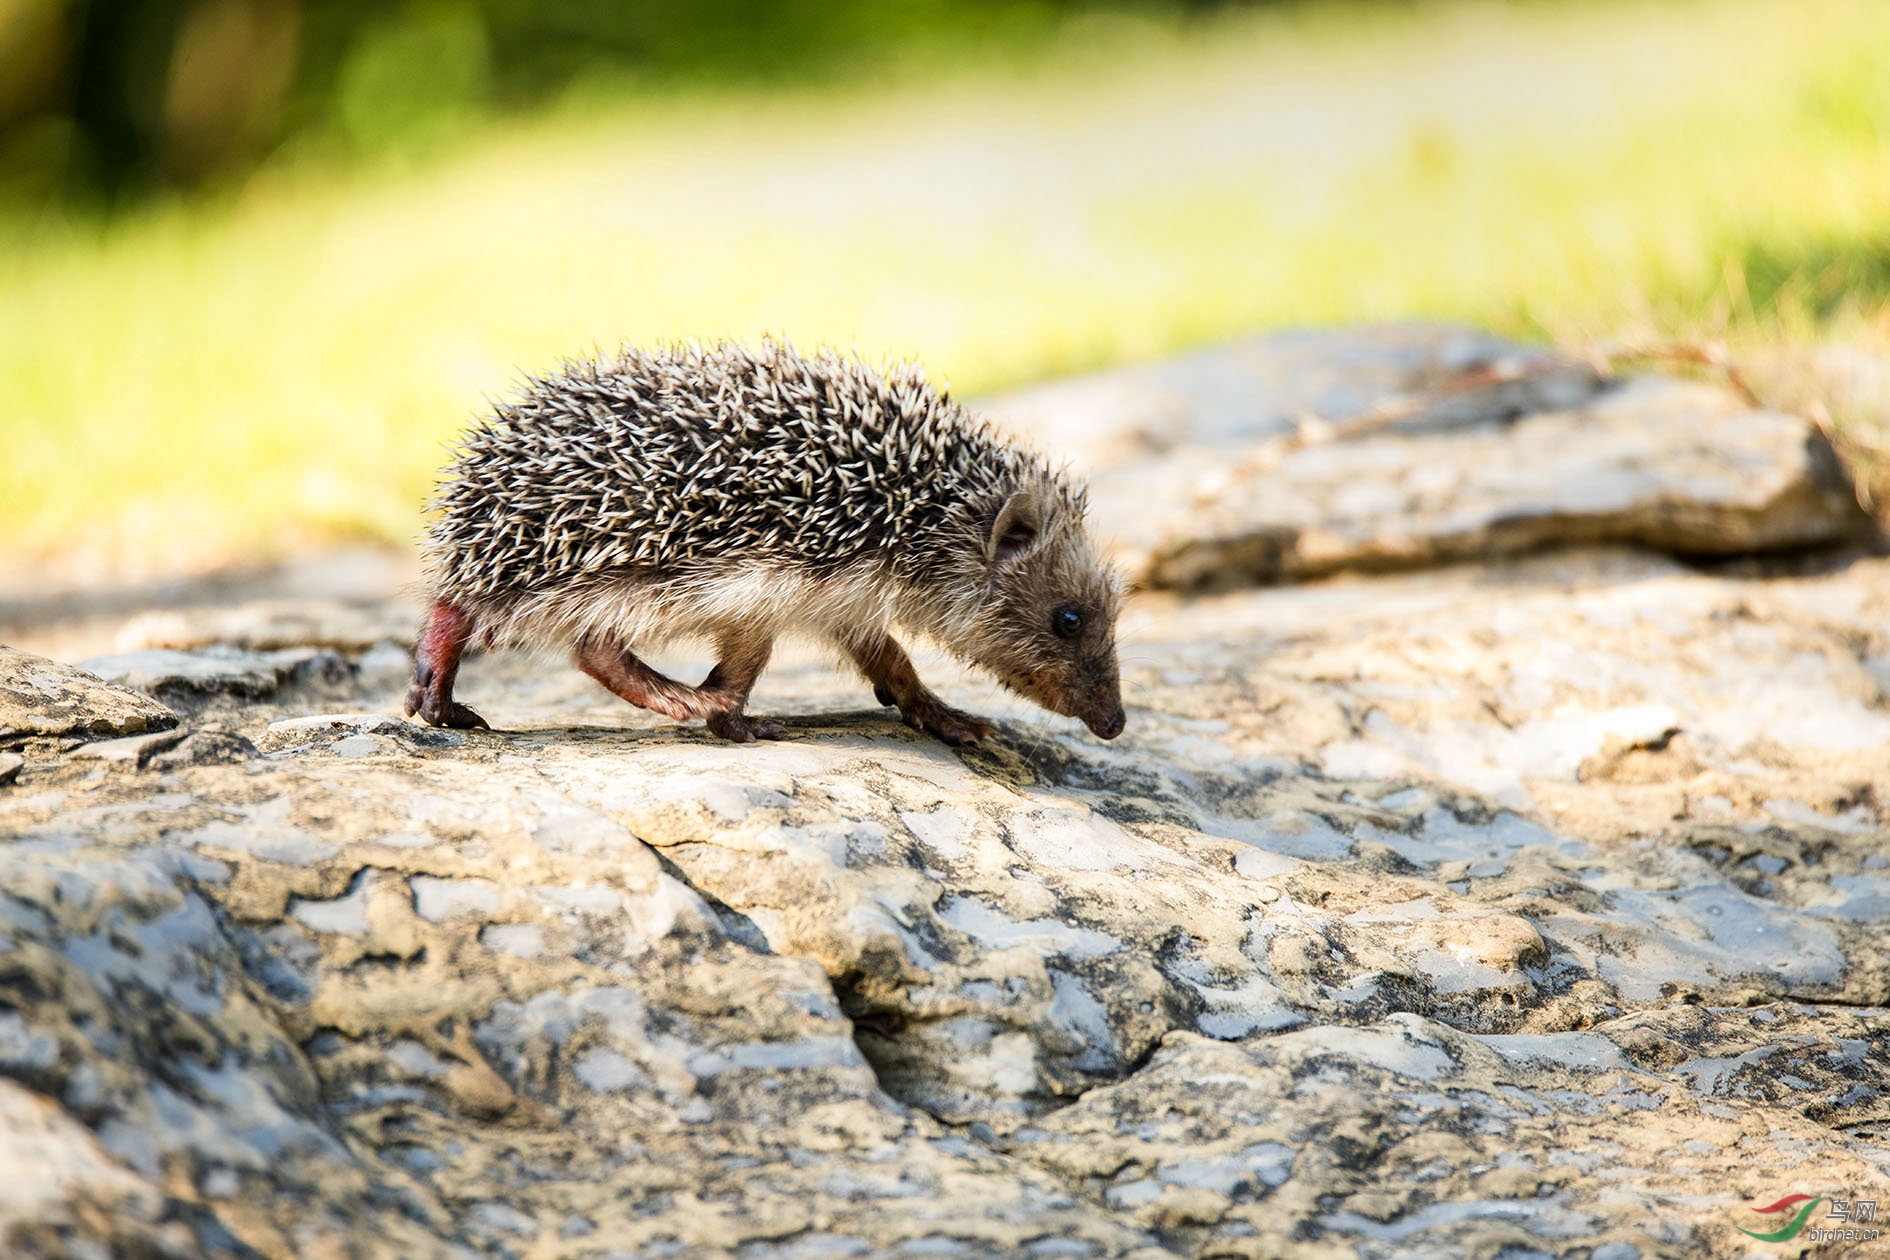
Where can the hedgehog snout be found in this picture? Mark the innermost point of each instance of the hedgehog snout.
(1107, 724)
(1103, 713)
(1097, 700)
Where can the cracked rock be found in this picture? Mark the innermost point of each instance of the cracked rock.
(1532, 907)
(1666, 465)
(269, 626)
(41, 697)
(190, 678)
(133, 750)
(1267, 386)
(361, 731)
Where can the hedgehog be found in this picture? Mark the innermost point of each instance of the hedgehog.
(733, 495)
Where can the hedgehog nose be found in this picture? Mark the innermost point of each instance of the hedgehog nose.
(1108, 725)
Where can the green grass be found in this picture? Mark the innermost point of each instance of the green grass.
(230, 380)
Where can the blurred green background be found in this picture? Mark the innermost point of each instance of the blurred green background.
(259, 259)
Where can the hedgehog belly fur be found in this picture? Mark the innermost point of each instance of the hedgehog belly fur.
(754, 598)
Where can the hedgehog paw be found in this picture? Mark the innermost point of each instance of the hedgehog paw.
(448, 714)
(954, 726)
(884, 696)
(741, 729)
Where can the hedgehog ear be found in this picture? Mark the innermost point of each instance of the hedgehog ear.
(1015, 532)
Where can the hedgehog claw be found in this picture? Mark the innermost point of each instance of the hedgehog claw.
(453, 715)
(742, 729)
(459, 717)
(954, 726)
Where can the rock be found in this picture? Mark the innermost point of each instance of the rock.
(636, 1027)
(10, 765)
(1266, 386)
(1456, 912)
(59, 1182)
(1666, 465)
(1203, 476)
(1408, 1130)
(1404, 936)
(334, 729)
(205, 748)
(41, 697)
(133, 750)
(270, 626)
(189, 678)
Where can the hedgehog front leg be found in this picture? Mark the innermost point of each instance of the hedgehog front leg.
(742, 658)
(889, 669)
(435, 666)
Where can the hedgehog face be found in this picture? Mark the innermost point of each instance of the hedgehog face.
(1048, 631)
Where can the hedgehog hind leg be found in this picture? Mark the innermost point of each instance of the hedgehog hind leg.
(740, 660)
(435, 667)
(719, 699)
(889, 669)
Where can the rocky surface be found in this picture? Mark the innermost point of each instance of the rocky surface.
(1667, 465)
(267, 627)
(1531, 907)
(1438, 377)
(188, 679)
(46, 698)
(1296, 456)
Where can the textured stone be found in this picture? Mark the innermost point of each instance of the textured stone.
(1537, 907)
(133, 750)
(205, 747)
(1267, 386)
(58, 1182)
(270, 626)
(330, 729)
(1662, 464)
(1383, 944)
(1408, 1133)
(41, 697)
(1233, 466)
(188, 678)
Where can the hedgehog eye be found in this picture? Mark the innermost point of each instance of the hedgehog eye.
(1066, 621)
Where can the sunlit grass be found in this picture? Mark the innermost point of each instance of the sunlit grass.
(229, 381)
